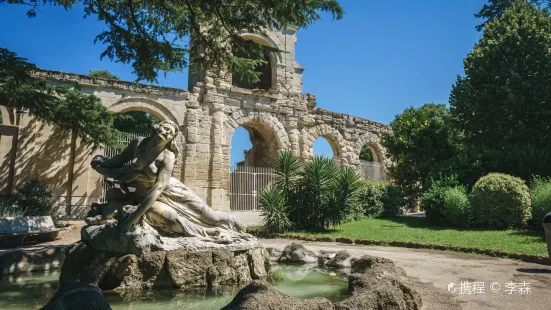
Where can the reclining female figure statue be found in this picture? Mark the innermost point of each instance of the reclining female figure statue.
(163, 202)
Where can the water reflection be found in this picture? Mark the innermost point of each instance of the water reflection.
(34, 291)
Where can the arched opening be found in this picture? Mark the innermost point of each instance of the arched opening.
(253, 146)
(266, 70)
(325, 147)
(371, 166)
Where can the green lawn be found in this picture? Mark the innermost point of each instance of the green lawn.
(415, 229)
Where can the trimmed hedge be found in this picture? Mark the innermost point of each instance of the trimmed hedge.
(500, 201)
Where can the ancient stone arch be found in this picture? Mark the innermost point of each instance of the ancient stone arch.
(156, 108)
(279, 119)
(331, 134)
(267, 134)
(372, 141)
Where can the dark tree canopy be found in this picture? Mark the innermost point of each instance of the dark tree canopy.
(366, 153)
(495, 8)
(504, 99)
(102, 74)
(153, 35)
(135, 122)
(420, 139)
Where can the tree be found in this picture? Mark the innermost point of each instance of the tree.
(103, 74)
(135, 121)
(366, 154)
(495, 8)
(68, 108)
(504, 99)
(154, 35)
(420, 139)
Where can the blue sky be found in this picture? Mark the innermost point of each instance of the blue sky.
(382, 57)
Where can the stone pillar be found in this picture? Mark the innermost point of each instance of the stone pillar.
(218, 196)
(189, 174)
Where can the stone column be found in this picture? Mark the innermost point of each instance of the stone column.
(218, 196)
(189, 174)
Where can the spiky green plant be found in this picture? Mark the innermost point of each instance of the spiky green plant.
(344, 203)
(274, 211)
(313, 194)
(287, 168)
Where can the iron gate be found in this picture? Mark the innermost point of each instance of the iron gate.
(372, 171)
(245, 185)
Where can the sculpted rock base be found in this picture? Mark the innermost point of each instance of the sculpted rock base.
(375, 283)
(144, 239)
(187, 269)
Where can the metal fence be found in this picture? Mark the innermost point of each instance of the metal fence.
(245, 185)
(372, 171)
(124, 140)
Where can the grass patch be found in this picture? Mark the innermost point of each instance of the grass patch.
(416, 229)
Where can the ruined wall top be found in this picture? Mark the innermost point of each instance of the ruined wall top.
(88, 81)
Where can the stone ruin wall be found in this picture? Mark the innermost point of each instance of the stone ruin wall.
(208, 115)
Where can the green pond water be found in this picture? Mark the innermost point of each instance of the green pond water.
(34, 291)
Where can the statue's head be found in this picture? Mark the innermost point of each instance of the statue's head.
(166, 131)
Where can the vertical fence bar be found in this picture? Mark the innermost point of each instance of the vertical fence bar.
(246, 182)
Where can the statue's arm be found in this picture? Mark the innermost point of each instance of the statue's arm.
(163, 178)
(126, 155)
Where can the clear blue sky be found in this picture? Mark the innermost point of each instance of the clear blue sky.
(382, 57)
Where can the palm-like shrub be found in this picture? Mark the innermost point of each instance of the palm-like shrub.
(313, 194)
(344, 203)
(316, 194)
(500, 201)
(287, 167)
(540, 194)
(274, 211)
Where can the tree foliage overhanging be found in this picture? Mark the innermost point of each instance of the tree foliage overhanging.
(67, 108)
(154, 35)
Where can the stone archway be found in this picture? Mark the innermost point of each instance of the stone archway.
(372, 141)
(375, 169)
(163, 112)
(156, 108)
(267, 135)
(332, 135)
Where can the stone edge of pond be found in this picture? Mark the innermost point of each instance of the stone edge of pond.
(26, 261)
(538, 259)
